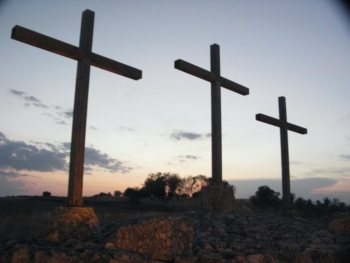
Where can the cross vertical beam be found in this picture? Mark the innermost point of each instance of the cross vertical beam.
(284, 127)
(85, 58)
(216, 140)
(76, 165)
(217, 81)
(284, 153)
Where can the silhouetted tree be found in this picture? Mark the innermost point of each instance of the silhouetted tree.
(265, 197)
(155, 185)
(326, 201)
(172, 182)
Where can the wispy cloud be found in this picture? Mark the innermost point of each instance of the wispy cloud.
(57, 113)
(17, 92)
(122, 128)
(191, 157)
(12, 174)
(340, 172)
(180, 135)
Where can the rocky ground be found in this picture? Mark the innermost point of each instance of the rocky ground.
(228, 237)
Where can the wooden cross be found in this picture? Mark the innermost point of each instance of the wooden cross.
(284, 127)
(217, 81)
(85, 58)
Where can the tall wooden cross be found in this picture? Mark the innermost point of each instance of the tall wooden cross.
(85, 58)
(284, 127)
(217, 81)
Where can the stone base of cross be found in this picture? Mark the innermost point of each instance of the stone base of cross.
(218, 198)
(71, 222)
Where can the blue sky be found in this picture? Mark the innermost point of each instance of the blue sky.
(161, 123)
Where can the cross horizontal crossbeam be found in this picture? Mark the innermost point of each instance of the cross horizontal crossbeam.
(281, 124)
(210, 76)
(59, 47)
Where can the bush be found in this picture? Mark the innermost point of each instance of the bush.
(134, 199)
(46, 193)
(102, 194)
(117, 193)
(265, 197)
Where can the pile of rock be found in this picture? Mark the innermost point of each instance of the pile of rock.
(240, 237)
(161, 238)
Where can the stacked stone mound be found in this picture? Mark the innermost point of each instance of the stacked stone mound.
(161, 238)
(240, 237)
(71, 222)
(219, 198)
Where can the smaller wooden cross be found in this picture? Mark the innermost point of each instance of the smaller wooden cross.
(217, 81)
(85, 58)
(284, 127)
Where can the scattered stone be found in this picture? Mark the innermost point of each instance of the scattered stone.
(71, 222)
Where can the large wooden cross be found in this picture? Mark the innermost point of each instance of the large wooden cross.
(217, 81)
(85, 58)
(284, 127)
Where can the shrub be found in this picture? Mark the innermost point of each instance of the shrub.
(46, 193)
(265, 197)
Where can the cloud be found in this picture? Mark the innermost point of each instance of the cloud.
(331, 171)
(54, 112)
(122, 128)
(191, 157)
(94, 157)
(345, 156)
(18, 156)
(33, 101)
(12, 174)
(45, 157)
(67, 114)
(17, 92)
(189, 135)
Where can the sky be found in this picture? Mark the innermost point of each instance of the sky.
(162, 122)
